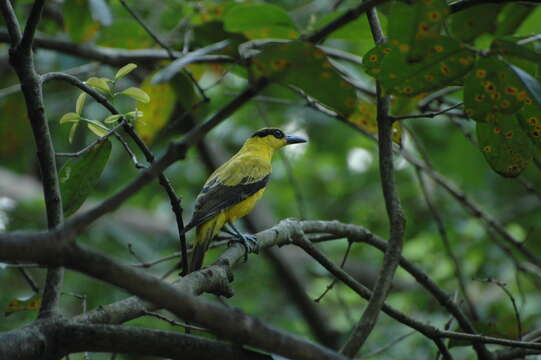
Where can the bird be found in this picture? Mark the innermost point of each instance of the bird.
(232, 191)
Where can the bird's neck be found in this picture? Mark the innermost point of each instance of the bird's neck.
(259, 150)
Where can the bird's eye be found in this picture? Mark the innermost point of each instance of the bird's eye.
(278, 134)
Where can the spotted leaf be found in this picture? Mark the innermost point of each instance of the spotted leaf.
(305, 66)
(530, 120)
(468, 24)
(495, 86)
(446, 62)
(417, 25)
(504, 144)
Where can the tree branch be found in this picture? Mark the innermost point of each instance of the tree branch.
(21, 59)
(113, 56)
(14, 37)
(74, 338)
(225, 322)
(395, 214)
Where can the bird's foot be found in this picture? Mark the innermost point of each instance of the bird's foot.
(249, 242)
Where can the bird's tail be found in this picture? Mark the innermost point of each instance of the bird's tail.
(203, 237)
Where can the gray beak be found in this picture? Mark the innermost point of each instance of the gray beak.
(292, 139)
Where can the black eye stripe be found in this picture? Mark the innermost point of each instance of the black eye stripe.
(277, 133)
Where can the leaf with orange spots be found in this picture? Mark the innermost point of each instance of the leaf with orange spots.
(446, 62)
(505, 145)
(417, 26)
(260, 21)
(495, 86)
(372, 59)
(156, 113)
(530, 120)
(305, 66)
(469, 23)
(15, 305)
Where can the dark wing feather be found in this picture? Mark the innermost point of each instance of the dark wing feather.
(216, 197)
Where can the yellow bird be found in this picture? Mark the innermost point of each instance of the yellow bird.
(233, 189)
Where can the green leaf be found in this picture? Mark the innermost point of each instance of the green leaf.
(446, 62)
(80, 103)
(504, 144)
(77, 20)
(155, 113)
(24, 304)
(137, 94)
(112, 118)
(258, 21)
(99, 83)
(506, 47)
(417, 26)
(125, 70)
(70, 117)
(79, 176)
(467, 24)
(124, 34)
(495, 86)
(512, 16)
(72, 132)
(306, 67)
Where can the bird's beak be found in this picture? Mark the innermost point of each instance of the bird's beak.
(292, 139)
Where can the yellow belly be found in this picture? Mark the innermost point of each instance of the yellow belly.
(208, 230)
(243, 208)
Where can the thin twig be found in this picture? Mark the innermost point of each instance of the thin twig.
(173, 322)
(148, 30)
(426, 115)
(387, 346)
(503, 286)
(31, 282)
(95, 142)
(333, 282)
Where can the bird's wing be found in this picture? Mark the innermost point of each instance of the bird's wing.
(230, 184)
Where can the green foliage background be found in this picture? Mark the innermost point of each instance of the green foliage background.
(335, 174)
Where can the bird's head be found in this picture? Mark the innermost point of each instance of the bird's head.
(274, 138)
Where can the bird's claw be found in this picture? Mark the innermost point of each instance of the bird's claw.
(249, 242)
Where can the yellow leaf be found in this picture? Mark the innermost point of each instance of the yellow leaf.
(69, 117)
(125, 70)
(137, 94)
(155, 114)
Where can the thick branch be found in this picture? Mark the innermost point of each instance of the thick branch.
(21, 59)
(140, 341)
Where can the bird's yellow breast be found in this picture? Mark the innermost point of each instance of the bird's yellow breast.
(244, 207)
